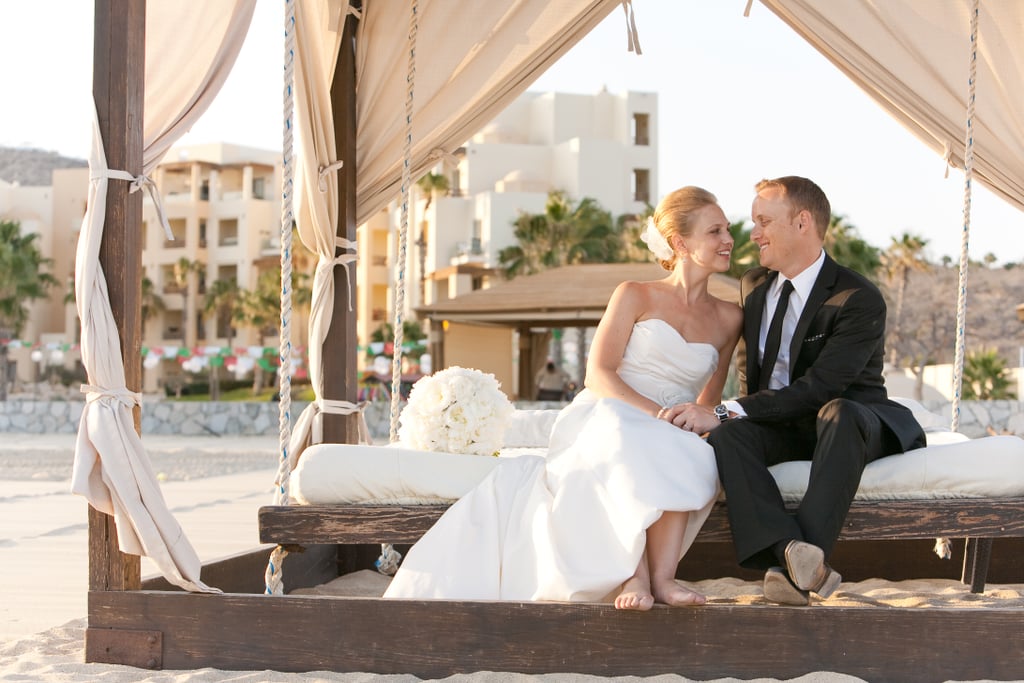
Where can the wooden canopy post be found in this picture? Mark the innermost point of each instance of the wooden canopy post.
(340, 366)
(526, 390)
(118, 85)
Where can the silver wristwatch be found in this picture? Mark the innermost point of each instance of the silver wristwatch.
(721, 412)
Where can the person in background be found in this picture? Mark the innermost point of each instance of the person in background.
(552, 382)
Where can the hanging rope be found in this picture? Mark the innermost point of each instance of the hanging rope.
(403, 232)
(273, 576)
(389, 558)
(943, 546)
(961, 300)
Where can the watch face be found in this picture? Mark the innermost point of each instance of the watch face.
(721, 412)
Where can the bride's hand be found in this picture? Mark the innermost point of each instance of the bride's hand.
(694, 418)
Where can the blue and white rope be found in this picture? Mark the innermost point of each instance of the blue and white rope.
(403, 232)
(943, 546)
(389, 558)
(273, 576)
(961, 300)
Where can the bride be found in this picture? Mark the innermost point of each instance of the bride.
(622, 492)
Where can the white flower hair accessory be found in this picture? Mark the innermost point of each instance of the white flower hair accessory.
(655, 241)
(456, 410)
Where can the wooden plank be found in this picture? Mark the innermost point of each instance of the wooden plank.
(118, 86)
(244, 572)
(872, 520)
(141, 649)
(433, 639)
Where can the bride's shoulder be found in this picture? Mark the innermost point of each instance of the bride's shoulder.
(632, 290)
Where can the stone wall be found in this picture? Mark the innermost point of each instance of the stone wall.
(977, 418)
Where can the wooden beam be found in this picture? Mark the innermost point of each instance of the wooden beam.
(435, 639)
(340, 363)
(866, 520)
(118, 88)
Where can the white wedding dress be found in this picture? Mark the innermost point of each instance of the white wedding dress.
(571, 526)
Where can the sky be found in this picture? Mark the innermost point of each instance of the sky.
(740, 99)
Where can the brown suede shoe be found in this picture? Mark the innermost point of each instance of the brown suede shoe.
(809, 571)
(778, 588)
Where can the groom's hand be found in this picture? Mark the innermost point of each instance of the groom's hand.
(692, 417)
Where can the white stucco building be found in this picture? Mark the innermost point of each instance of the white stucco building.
(603, 146)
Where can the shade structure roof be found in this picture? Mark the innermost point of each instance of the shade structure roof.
(570, 296)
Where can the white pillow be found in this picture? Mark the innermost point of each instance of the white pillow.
(954, 467)
(929, 421)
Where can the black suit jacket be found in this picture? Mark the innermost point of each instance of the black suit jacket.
(836, 352)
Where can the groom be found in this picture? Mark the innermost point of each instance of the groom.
(811, 388)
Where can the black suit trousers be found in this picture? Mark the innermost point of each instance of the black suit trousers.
(843, 438)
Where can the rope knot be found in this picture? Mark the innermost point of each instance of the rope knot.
(129, 399)
(438, 154)
(141, 182)
(324, 170)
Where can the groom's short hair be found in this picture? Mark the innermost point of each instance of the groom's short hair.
(803, 194)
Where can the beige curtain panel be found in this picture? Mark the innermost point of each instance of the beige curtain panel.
(185, 69)
(912, 57)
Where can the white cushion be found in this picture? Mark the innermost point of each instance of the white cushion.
(951, 466)
(955, 467)
(343, 473)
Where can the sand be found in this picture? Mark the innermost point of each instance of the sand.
(214, 487)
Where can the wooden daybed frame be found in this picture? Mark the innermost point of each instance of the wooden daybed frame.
(152, 625)
(981, 519)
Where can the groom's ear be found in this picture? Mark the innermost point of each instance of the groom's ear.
(805, 220)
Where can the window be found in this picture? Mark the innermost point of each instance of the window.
(641, 185)
(641, 129)
(177, 226)
(227, 232)
(259, 188)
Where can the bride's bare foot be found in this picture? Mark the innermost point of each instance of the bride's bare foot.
(636, 594)
(671, 593)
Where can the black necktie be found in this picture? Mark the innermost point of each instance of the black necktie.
(774, 338)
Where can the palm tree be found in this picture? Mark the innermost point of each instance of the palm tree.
(564, 234)
(183, 268)
(223, 300)
(22, 280)
(986, 377)
(152, 303)
(844, 245)
(903, 256)
(745, 252)
(429, 185)
(261, 309)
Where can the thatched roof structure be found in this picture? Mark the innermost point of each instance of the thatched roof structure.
(560, 297)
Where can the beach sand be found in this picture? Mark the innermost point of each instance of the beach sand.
(214, 487)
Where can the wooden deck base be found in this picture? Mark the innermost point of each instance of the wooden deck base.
(292, 633)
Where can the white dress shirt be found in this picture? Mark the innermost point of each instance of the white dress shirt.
(802, 285)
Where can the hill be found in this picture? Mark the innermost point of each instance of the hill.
(33, 167)
(928, 321)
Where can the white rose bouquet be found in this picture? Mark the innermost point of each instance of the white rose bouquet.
(456, 410)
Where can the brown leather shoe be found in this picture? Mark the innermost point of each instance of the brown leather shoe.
(807, 568)
(778, 588)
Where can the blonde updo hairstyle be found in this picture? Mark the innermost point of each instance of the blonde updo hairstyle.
(674, 216)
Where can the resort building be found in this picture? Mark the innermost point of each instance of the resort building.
(223, 212)
(222, 204)
(603, 146)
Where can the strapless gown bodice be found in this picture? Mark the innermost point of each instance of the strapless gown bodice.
(663, 366)
(571, 526)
